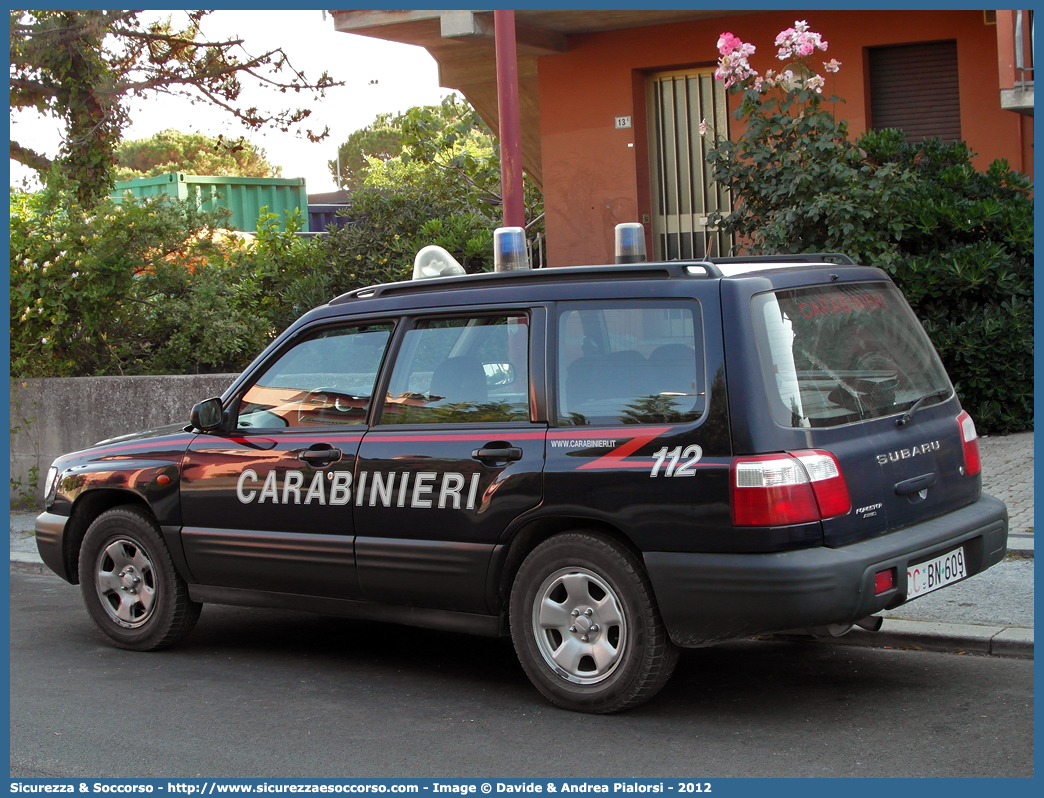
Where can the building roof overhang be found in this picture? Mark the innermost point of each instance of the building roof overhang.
(462, 44)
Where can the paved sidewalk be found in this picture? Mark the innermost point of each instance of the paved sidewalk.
(991, 613)
(1007, 473)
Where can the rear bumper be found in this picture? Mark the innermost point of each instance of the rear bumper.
(709, 597)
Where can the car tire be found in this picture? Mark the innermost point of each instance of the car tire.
(129, 585)
(585, 625)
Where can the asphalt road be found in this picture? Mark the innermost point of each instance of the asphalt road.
(256, 693)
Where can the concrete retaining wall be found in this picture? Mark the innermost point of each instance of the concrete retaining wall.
(54, 416)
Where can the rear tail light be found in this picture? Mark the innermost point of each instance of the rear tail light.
(783, 489)
(828, 483)
(970, 439)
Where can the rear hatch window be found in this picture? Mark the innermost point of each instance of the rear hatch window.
(842, 354)
(848, 363)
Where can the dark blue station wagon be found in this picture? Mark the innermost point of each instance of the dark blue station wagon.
(605, 463)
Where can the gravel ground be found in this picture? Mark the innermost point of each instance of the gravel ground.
(1001, 596)
(23, 531)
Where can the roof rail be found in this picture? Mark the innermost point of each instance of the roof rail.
(559, 274)
(803, 257)
(618, 271)
(708, 265)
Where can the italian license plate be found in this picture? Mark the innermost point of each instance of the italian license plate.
(924, 577)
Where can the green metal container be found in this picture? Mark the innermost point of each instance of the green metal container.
(243, 196)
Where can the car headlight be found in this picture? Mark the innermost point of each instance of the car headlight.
(50, 484)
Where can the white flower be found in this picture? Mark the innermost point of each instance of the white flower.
(704, 128)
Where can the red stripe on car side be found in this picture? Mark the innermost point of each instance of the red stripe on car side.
(615, 458)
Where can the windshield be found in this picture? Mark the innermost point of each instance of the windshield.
(840, 354)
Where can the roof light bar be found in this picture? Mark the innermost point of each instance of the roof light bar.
(433, 261)
(630, 243)
(509, 249)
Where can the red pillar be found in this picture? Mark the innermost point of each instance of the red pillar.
(510, 121)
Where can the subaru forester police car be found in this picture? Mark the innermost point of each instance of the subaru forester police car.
(606, 463)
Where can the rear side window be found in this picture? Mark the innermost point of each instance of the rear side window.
(630, 363)
(840, 354)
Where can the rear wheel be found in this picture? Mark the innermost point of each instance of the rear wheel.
(585, 625)
(129, 585)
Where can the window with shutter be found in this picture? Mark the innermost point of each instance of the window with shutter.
(914, 87)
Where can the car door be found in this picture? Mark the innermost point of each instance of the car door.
(456, 456)
(642, 439)
(267, 506)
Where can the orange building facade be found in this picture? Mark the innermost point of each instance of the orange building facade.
(596, 175)
(608, 112)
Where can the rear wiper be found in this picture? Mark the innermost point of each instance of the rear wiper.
(916, 405)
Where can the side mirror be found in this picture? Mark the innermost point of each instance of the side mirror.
(208, 414)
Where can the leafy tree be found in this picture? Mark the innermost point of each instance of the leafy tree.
(445, 150)
(191, 153)
(449, 149)
(958, 242)
(81, 67)
(441, 187)
(382, 140)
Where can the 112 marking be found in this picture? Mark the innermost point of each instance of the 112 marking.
(693, 453)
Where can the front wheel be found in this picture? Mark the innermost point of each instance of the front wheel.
(585, 625)
(129, 585)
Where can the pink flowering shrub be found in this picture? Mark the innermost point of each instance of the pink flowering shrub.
(733, 65)
(795, 44)
(798, 42)
(959, 242)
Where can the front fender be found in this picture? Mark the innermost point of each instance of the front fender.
(151, 482)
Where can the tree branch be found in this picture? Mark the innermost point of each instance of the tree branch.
(29, 157)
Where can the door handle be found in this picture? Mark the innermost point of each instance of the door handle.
(320, 457)
(489, 455)
(915, 485)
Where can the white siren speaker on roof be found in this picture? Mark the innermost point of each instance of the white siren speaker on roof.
(509, 249)
(433, 261)
(630, 243)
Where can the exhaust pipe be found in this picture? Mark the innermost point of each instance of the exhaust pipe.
(832, 630)
(872, 623)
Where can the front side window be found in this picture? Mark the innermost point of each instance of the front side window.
(839, 354)
(630, 363)
(326, 380)
(461, 370)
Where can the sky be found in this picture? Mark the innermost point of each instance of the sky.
(379, 76)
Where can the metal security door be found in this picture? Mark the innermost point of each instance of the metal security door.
(683, 192)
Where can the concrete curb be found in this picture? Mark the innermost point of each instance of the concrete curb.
(952, 638)
(29, 562)
(1020, 544)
